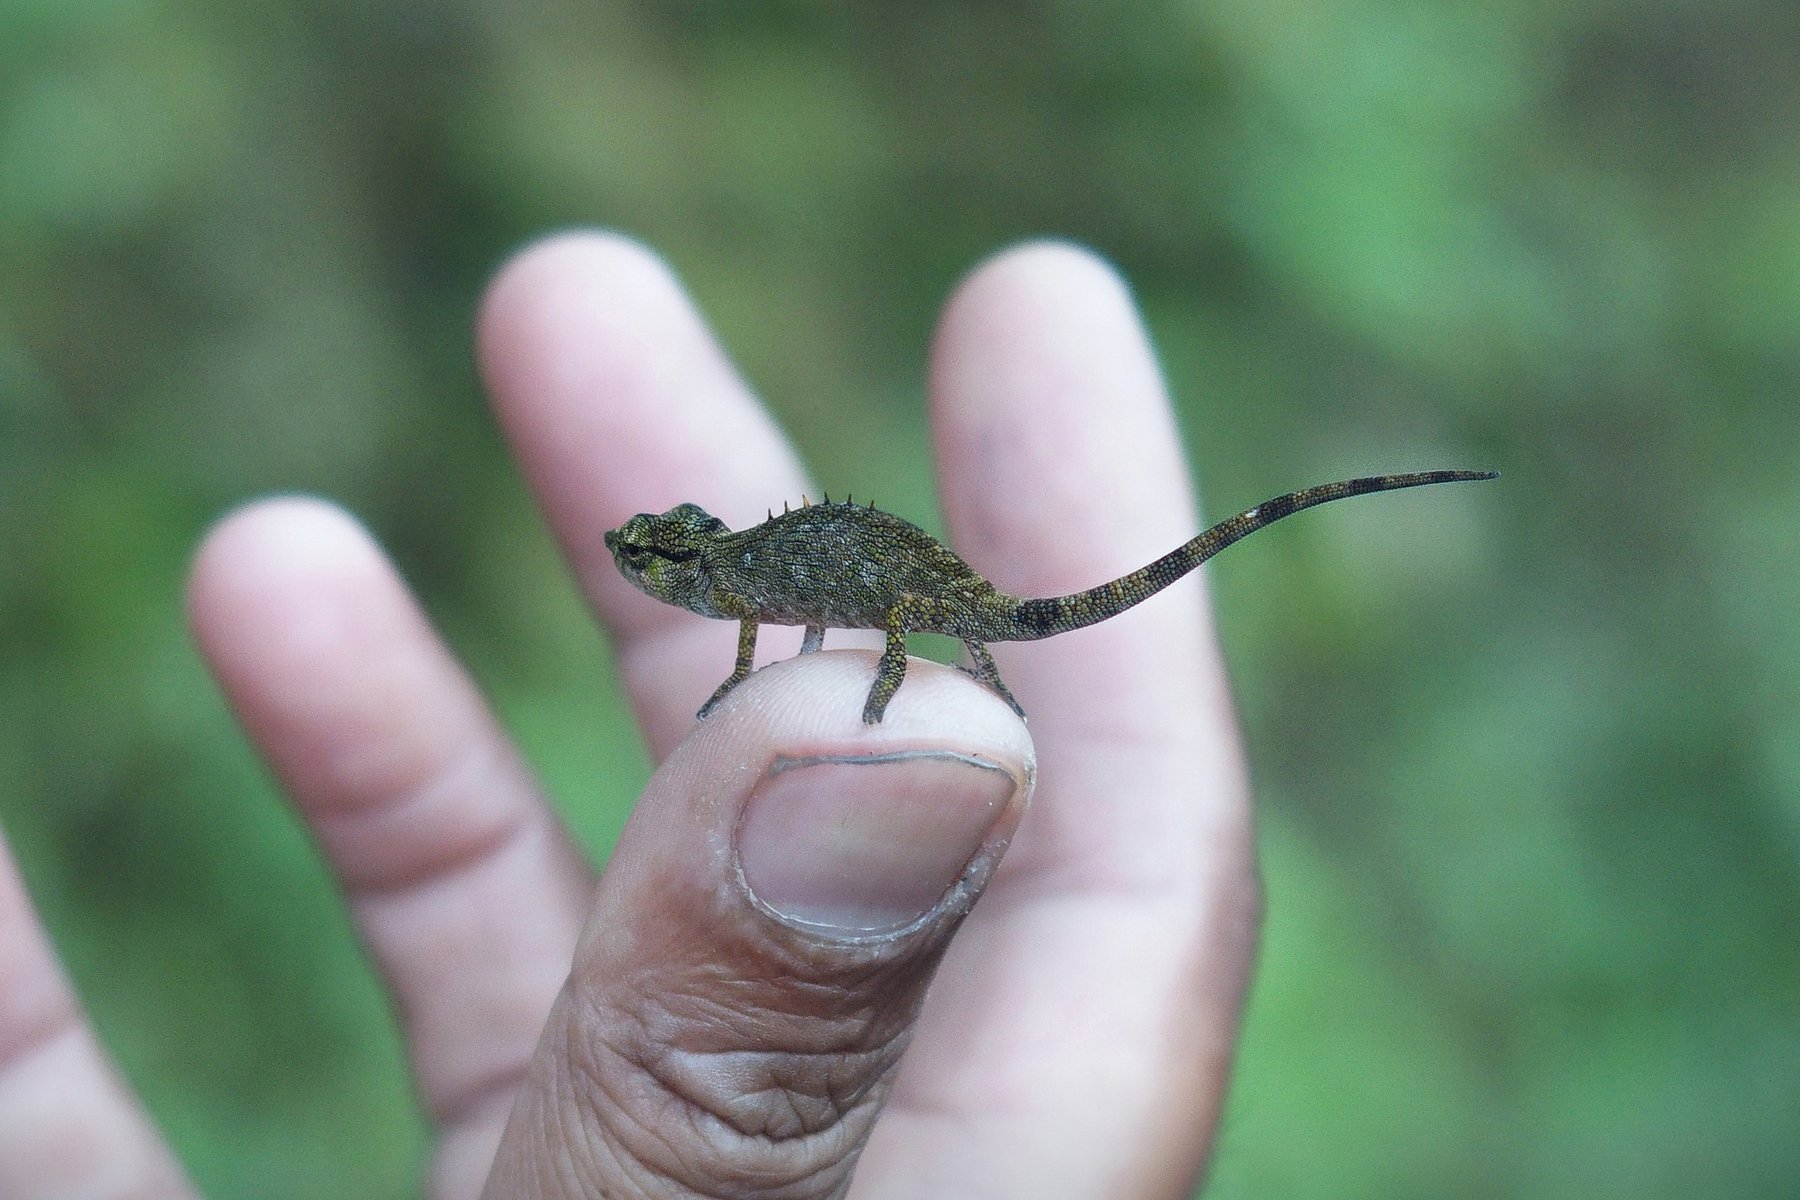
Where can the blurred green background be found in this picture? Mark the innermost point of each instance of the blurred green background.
(1526, 754)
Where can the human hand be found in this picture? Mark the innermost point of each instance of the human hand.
(756, 955)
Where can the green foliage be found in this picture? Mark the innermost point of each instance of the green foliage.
(1526, 753)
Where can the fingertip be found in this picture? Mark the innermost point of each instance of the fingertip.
(1041, 267)
(1042, 347)
(276, 550)
(293, 522)
(577, 274)
(856, 830)
(552, 256)
(298, 612)
(1027, 294)
(810, 707)
(817, 700)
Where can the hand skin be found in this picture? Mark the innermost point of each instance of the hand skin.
(755, 958)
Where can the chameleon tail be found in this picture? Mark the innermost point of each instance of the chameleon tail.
(1059, 614)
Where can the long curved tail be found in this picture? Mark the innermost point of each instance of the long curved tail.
(1059, 614)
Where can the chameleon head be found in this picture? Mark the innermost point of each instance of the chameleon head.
(664, 555)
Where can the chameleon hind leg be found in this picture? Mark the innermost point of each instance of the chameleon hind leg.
(918, 612)
(741, 670)
(985, 670)
(891, 670)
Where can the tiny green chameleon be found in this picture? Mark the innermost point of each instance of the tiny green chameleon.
(851, 566)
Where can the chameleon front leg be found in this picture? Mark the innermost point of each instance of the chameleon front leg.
(988, 673)
(814, 640)
(746, 653)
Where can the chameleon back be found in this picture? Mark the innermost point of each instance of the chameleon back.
(844, 566)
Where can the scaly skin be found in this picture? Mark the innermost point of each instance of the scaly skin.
(846, 566)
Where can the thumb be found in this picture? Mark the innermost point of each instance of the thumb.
(763, 936)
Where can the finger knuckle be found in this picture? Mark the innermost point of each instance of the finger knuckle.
(723, 1100)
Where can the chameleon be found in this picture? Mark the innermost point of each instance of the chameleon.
(849, 566)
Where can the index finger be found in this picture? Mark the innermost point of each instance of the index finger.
(617, 399)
